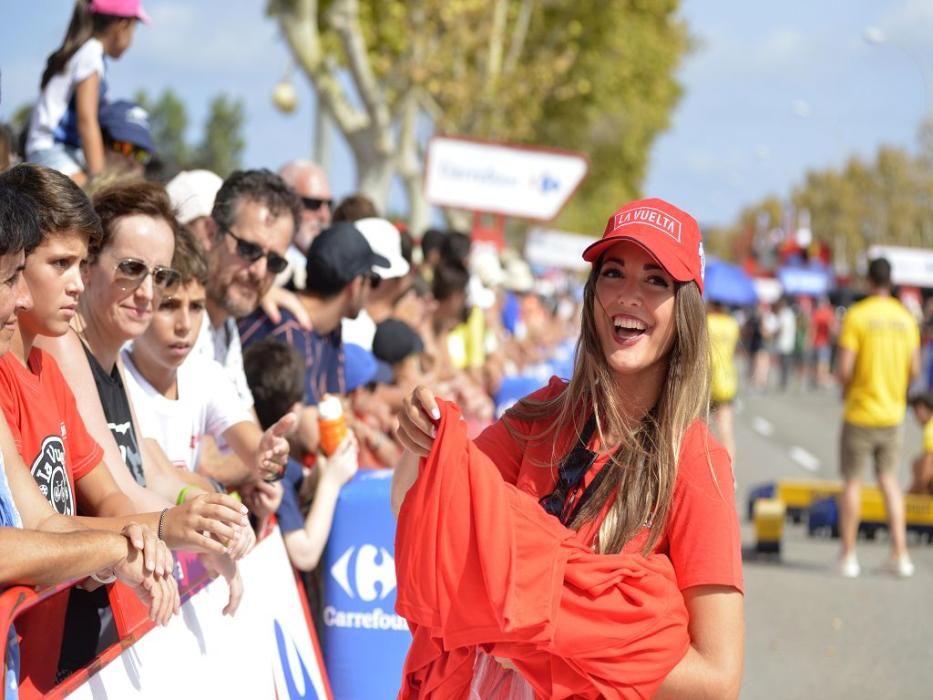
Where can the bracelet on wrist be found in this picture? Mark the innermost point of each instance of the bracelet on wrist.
(180, 501)
(161, 531)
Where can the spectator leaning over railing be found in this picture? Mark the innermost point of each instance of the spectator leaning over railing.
(179, 402)
(253, 221)
(64, 131)
(34, 397)
(340, 271)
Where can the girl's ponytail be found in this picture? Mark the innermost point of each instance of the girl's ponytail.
(82, 27)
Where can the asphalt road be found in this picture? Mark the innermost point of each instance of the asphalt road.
(811, 633)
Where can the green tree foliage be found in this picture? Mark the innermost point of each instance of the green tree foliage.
(586, 75)
(221, 146)
(886, 200)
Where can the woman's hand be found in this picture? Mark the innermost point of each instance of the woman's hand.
(416, 421)
(226, 567)
(209, 522)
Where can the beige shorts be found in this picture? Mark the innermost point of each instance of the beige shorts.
(859, 444)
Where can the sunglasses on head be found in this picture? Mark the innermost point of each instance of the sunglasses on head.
(251, 252)
(313, 203)
(130, 273)
(125, 148)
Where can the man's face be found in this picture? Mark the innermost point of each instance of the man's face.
(236, 284)
(14, 295)
(314, 190)
(358, 295)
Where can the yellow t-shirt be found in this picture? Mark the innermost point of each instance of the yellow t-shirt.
(883, 335)
(466, 343)
(928, 436)
(723, 338)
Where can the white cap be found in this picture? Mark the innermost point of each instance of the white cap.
(192, 193)
(518, 277)
(385, 240)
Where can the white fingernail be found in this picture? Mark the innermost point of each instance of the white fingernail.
(433, 431)
(436, 413)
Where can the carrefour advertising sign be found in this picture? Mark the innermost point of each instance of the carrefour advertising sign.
(361, 629)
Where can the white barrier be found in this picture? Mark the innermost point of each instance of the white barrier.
(265, 651)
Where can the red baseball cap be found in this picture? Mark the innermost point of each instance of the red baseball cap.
(670, 235)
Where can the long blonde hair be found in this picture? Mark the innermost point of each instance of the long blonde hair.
(643, 466)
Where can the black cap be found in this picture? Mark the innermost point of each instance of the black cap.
(337, 256)
(395, 340)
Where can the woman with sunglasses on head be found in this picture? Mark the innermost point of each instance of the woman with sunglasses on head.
(617, 461)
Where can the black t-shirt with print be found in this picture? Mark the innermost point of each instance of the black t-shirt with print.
(119, 419)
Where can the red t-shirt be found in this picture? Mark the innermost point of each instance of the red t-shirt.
(821, 323)
(702, 537)
(56, 447)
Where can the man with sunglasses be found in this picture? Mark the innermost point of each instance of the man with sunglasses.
(340, 273)
(254, 218)
(310, 183)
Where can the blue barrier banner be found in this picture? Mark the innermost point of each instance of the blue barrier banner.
(365, 642)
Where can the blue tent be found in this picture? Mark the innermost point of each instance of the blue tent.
(728, 284)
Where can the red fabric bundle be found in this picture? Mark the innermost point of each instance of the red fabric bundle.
(479, 563)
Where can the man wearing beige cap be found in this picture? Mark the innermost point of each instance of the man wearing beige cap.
(310, 183)
(192, 193)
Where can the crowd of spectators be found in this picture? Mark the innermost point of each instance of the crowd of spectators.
(200, 321)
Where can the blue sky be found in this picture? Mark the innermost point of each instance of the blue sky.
(772, 89)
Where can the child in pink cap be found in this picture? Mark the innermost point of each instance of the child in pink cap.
(64, 130)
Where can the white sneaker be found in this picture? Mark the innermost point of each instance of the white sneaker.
(849, 566)
(902, 566)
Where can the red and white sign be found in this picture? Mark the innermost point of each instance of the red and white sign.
(265, 651)
(526, 182)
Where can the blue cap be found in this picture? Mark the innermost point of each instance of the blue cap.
(359, 366)
(126, 121)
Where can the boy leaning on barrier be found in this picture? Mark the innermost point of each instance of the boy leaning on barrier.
(40, 546)
(922, 405)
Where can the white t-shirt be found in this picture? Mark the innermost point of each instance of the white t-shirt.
(207, 405)
(359, 331)
(222, 344)
(50, 121)
(787, 331)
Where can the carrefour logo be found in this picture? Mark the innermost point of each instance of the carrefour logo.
(368, 575)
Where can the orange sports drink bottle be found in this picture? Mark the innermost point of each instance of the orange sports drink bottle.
(332, 424)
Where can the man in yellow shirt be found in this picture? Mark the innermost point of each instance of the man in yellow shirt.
(723, 339)
(878, 357)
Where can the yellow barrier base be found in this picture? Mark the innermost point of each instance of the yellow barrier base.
(769, 525)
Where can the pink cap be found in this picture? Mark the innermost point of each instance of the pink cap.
(120, 8)
(669, 234)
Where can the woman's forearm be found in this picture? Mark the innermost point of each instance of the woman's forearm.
(404, 477)
(698, 678)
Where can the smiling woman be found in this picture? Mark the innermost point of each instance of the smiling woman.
(653, 484)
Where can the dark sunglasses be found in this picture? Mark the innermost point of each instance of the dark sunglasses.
(374, 280)
(575, 465)
(124, 148)
(313, 203)
(130, 273)
(251, 252)
(570, 474)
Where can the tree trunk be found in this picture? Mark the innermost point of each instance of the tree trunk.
(374, 176)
